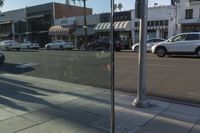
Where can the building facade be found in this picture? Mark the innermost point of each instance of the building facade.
(188, 15)
(33, 23)
(12, 24)
(43, 17)
(122, 27)
(161, 23)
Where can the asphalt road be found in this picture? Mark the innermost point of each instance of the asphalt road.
(174, 77)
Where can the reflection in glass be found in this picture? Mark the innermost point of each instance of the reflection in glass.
(60, 80)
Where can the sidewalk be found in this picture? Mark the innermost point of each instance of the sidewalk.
(35, 105)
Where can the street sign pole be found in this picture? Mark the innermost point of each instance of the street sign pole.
(112, 120)
(141, 100)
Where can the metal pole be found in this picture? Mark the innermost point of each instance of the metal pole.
(141, 100)
(27, 27)
(13, 30)
(85, 24)
(112, 130)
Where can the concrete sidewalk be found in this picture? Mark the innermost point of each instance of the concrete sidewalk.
(36, 105)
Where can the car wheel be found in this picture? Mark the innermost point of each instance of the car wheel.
(61, 47)
(198, 52)
(136, 49)
(6, 48)
(161, 52)
(1, 62)
(48, 47)
(18, 49)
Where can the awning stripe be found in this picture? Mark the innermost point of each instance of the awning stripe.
(119, 25)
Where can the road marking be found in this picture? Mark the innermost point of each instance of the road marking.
(27, 65)
(157, 65)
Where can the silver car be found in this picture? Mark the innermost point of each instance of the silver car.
(150, 44)
(9, 45)
(59, 44)
(29, 45)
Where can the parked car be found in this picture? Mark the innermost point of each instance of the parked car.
(2, 58)
(29, 45)
(150, 44)
(184, 43)
(104, 44)
(9, 45)
(59, 44)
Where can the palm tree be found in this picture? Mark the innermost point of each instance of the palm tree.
(120, 6)
(1, 3)
(115, 7)
(67, 2)
(85, 20)
(85, 23)
(74, 1)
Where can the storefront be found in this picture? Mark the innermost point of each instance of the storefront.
(190, 27)
(122, 27)
(60, 33)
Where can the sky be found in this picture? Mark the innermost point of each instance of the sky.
(98, 6)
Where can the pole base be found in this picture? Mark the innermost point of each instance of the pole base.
(141, 103)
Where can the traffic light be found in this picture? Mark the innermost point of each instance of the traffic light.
(137, 8)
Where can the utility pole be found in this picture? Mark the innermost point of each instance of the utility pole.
(85, 25)
(141, 12)
(112, 120)
(13, 29)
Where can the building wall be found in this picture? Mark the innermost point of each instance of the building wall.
(12, 22)
(15, 15)
(185, 4)
(159, 13)
(181, 7)
(65, 21)
(91, 20)
(62, 10)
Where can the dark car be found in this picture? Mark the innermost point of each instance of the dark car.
(104, 44)
(2, 58)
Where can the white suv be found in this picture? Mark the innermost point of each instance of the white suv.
(184, 43)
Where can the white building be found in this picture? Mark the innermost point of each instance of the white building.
(188, 15)
(161, 22)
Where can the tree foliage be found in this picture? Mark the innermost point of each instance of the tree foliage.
(1, 3)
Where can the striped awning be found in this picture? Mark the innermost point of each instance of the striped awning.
(118, 26)
(58, 30)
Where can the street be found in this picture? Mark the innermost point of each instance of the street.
(174, 77)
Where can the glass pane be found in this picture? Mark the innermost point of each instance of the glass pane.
(56, 77)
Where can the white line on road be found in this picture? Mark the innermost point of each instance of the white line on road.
(27, 65)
